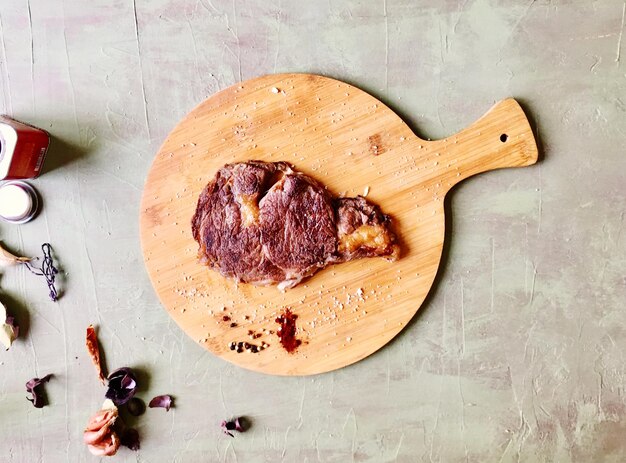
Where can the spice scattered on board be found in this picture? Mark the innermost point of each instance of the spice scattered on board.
(287, 331)
(243, 346)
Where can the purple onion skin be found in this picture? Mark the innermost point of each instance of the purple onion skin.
(122, 386)
(162, 401)
(33, 387)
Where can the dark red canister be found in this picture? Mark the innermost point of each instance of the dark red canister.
(22, 149)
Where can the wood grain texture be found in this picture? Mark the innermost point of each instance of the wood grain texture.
(351, 142)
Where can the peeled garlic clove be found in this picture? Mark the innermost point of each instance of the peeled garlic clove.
(7, 259)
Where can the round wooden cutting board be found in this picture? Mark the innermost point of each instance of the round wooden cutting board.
(355, 145)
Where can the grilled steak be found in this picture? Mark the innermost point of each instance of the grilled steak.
(265, 223)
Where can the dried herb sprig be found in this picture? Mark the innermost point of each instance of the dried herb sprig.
(47, 270)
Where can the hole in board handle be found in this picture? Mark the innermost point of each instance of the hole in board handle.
(504, 137)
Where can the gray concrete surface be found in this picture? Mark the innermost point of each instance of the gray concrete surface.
(519, 353)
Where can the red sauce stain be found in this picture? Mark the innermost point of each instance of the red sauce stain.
(287, 331)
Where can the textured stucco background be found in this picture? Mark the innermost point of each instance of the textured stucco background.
(518, 355)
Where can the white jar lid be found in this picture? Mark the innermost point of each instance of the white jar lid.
(18, 202)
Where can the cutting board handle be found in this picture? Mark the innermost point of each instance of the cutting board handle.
(501, 138)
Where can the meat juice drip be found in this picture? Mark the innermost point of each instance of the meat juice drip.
(287, 331)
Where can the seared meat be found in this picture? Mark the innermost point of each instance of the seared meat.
(265, 223)
(363, 230)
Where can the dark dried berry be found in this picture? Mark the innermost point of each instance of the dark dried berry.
(136, 406)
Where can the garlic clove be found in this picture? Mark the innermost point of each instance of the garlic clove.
(7, 259)
(8, 329)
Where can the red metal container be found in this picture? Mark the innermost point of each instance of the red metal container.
(22, 149)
